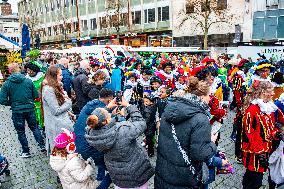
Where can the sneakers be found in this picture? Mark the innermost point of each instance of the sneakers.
(239, 160)
(25, 155)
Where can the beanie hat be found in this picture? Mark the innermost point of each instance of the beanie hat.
(66, 140)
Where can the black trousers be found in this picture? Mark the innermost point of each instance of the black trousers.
(252, 180)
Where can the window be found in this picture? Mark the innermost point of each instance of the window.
(93, 24)
(46, 8)
(150, 15)
(163, 13)
(137, 17)
(222, 4)
(206, 6)
(84, 25)
(189, 8)
(114, 21)
(51, 6)
(49, 31)
(103, 22)
(58, 4)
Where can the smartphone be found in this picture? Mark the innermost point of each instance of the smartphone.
(118, 96)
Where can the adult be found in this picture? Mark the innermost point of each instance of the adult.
(56, 106)
(34, 74)
(125, 158)
(63, 64)
(262, 72)
(82, 146)
(20, 93)
(184, 121)
(98, 82)
(81, 85)
(258, 132)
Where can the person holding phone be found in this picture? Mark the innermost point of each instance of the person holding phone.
(118, 142)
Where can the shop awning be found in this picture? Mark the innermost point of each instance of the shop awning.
(4, 44)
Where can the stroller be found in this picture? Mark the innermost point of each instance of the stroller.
(4, 166)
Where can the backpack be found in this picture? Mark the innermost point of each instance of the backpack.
(276, 164)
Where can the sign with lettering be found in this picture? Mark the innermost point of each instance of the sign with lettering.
(274, 52)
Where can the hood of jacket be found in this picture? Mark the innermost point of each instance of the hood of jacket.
(183, 108)
(104, 138)
(90, 106)
(79, 72)
(57, 163)
(17, 78)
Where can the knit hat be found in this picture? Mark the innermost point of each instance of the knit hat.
(66, 140)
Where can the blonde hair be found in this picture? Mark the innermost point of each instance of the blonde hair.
(197, 87)
(255, 90)
(93, 120)
(98, 75)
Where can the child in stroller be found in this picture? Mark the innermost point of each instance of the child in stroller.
(4, 166)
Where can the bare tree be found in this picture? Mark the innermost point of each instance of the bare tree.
(32, 22)
(117, 18)
(205, 13)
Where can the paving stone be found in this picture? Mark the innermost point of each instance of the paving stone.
(35, 172)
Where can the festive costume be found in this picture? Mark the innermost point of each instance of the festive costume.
(278, 84)
(257, 134)
(37, 80)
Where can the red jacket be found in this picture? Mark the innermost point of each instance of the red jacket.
(258, 132)
(215, 110)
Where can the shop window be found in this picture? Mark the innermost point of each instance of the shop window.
(222, 4)
(151, 15)
(93, 24)
(189, 8)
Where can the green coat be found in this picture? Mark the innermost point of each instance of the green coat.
(19, 93)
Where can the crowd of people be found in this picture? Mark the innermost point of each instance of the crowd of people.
(115, 116)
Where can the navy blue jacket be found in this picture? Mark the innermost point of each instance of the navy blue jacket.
(82, 145)
(67, 79)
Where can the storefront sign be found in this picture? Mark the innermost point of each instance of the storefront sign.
(274, 52)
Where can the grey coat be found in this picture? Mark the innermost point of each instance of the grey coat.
(125, 159)
(55, 116)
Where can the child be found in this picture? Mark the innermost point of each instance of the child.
(74, 173)
(163, 100)
(180, 84)
(149, 114)
(155, 83)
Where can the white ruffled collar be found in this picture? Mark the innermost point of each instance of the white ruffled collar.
(265, 107)
(277, 85)
(258, 78)
(38, 76)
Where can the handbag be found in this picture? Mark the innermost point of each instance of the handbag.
(276, 164)
(205, 171)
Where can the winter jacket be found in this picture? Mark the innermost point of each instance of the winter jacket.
(67, 79)
(193, 130)
(126, 160)
(82, 146)
(81, 88)
(19, 93)
(73, 172)
(55, 116)
(94, 90)
(149, 114)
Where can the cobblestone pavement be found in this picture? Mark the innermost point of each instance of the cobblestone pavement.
(35, 172)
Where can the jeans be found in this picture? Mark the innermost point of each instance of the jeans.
(19, 124)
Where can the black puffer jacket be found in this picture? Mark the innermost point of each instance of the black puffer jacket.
(81, 88)
(189, 116)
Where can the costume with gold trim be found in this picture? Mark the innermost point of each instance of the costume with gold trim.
(258, 133)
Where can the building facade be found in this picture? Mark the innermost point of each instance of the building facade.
(9, 27)
(237, 25)
(268, 21)
(5, 8)
(129, 22)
